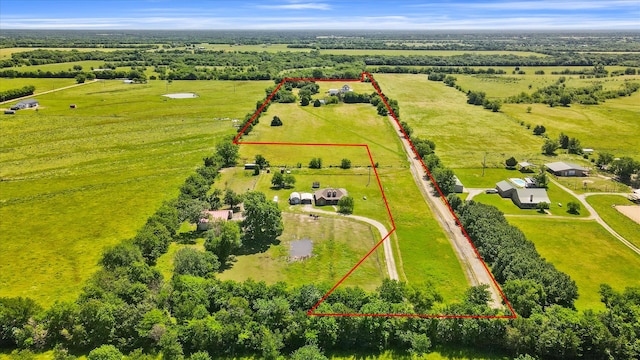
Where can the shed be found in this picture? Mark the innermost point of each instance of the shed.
(505, 188)
(294, 198)
(458, 187)
(561, 168)
(72, 106)
(9, 112)
(25, 104)
(315, 185)
(224, 215)
(526, 166)
(250, 166)
(306, 198)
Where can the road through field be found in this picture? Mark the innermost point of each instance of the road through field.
(474, 268)
(388, 251)
(50, 91)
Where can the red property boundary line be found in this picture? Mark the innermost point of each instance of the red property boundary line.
(363, 76)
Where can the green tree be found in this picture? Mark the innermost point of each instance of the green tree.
(550, 146)
(232, 199)
(345, 164)
(223, 240)
(228, 153)
(308, 352)
(573, 207)
(261, 161)
(604, 158)
(276, 121)
(625, 167)
(542, 206)
(317, 103)
(263, 220)
(445, 179)
(14, 314)
(525, 295)
(315, 163)
(563, 140)
(105, 352)
(289, 180)
(382, 109)
(511, 162)
(539, 130)
(277, 180)
(345, 205)
(81, 78)
(153, 240)
(574, 146)
(189, 261)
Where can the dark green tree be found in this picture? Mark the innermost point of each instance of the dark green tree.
(105, 352)
(276, 121)
(573, 207)
(223, 240)
(511, 162)
(563, 140)
(345, 164)
(549, 147)
(277, 180)
(445, 179)
(263, 220)
(228, 153)
(189, 261)
(345, 205)
(232, 198)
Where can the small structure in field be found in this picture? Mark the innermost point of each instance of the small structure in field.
(329, 196)
(300, 250)
(224, 215)
(561, 168)
(345, 88)
(526, 166)
(306, 198)
(9, 112)
(250, 166)
(294, 198)
(181, 96)
(315, 185)
(25, 104)
(73, 106)
(458, 187)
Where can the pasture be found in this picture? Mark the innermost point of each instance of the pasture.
(75, 181)
(40, 84)
(422, 249)
(605, 206)
(585, 251)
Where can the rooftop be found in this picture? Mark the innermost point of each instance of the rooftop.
(562, 166)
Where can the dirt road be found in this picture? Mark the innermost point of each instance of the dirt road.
(386, 244)
(475, 269)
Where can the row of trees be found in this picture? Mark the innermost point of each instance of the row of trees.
(560, 94)
(17, 93)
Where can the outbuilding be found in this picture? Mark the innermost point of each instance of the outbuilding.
(25, 104)
(294, 198)
(306, 198)
(561, 168)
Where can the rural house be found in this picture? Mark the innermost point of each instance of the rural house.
(25, 104)
(329, 196)
(524, 198)
(345, 88)
(561, 168)
(224, 215)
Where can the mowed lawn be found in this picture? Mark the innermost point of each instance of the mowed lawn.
(623, 225)
(75, 181)
(338, 244)
(425, 254)
(585, 251)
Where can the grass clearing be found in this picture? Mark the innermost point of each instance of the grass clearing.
(75, 181)
(585, 251)
(65, 66)
(424, 248)
(40, 84)
(604, 205)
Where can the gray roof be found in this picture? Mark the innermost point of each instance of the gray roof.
(306, 196)
(525, 164)
(563, 166)
(330, 194)
(294, 195)
(532, 196)
(458, 182)
(29, 102)
(504, 185)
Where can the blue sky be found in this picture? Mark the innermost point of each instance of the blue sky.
(320, 14)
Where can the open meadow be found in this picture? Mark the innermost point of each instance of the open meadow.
(74, 181)
(465, 134)
(585, 251)
(423, 252)
(605, 206)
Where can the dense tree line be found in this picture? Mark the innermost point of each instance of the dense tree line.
(560, 94)
(17, 93)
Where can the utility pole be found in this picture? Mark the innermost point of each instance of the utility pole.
(484, 163)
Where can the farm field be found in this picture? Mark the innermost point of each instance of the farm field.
(75, 181)
(585, 251)
(604, 205)
(40, 84)
(425, 252)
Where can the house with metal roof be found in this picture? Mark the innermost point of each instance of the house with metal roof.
(529, 198)
(561, 168)
(25, 104)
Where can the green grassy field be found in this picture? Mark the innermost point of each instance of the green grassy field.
(86, 66)
(604, 205)
(425, 251)
(338, 244)
(75, 181)
(6, 52)
(585, 251)
(40, 84)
